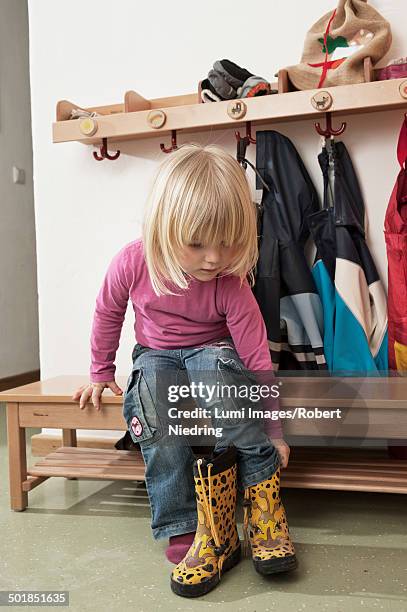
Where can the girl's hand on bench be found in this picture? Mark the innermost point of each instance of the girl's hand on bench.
(283, 451)
(94, 391)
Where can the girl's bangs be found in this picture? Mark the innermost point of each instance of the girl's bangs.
(214, 224)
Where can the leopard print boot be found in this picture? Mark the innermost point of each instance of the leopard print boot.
(216, 546)
(265, 528)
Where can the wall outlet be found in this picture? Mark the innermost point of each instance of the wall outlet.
(18, 176)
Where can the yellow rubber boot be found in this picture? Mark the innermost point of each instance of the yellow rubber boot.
(266, 529)
(216, 546)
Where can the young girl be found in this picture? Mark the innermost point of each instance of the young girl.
(195, 314)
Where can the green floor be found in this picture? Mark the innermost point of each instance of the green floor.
(92, 538)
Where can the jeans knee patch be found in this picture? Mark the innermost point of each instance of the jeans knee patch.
(139, 409)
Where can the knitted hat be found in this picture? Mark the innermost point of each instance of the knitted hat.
(336, 46)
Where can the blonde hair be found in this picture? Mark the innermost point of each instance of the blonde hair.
(199, 194)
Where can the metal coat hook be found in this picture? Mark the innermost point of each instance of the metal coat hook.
(329, 131)
(248, 133)
(173, 143)
(242, 144)
(104, 154)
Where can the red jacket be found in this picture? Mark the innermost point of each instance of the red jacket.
(395, 229)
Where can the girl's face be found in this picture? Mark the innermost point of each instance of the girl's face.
(204, 262)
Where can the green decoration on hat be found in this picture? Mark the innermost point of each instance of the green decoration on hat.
(333, 43)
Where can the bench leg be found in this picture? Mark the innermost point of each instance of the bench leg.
(69, 439)
(17, 459)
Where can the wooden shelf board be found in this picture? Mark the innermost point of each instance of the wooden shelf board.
(359, 470)
(339, 484)
(131, 100)
(292, 106)
(345, 469)
(72, 462)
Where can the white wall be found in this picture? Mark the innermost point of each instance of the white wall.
(18, 278)
(91, 52)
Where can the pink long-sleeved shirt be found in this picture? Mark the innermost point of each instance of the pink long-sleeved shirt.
(202, 314)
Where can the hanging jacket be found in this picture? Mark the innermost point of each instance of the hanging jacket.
(284, 286)
(352, 295)
(395, 226)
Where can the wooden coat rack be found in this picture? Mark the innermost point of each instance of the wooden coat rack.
(138, 117)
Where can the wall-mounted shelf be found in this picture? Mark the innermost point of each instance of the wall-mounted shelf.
(135, 118)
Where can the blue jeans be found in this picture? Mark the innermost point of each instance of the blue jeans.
(169, 458)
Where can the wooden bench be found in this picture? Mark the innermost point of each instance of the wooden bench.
(371, 408)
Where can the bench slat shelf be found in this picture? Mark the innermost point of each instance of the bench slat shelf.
(308, 468)
(67, 462)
